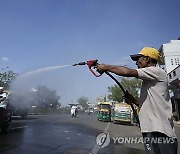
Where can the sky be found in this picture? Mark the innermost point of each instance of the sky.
(37, 34)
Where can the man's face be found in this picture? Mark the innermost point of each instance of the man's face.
(141, 62)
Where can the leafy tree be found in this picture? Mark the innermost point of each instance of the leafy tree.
(83, 102)
(132, 85)
(116, 93)
(6, 78)
(42, 97)
(47, 97)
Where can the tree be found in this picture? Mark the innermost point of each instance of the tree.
(47, 97)
(116, 93)
(6, 78)
(132, 85)
(83, 102)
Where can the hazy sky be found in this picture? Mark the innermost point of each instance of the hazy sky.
(45, 33)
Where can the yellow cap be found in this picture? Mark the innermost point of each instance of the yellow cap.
(147, 51)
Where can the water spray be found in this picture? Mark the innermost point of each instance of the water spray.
(23, 88)
(40, 70)
(93, 63)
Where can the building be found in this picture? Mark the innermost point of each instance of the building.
(170, 62)
(170, 53)
(174, 82)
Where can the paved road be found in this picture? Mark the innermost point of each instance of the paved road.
(56, 134)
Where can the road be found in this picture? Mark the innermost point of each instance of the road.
(62, 134)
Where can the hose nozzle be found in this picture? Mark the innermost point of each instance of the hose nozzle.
(81, 63)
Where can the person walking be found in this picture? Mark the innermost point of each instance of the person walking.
(155, 108)
(3, 97)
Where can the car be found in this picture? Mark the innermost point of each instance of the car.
(18, 108)
(17, 105)
(20, 111)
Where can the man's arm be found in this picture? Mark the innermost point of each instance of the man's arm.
(119, 70)
(122, 71)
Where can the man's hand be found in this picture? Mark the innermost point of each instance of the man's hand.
(101, 67)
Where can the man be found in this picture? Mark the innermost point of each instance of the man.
(74, 111)
(5, 115)
(3, 96)
(155, 112)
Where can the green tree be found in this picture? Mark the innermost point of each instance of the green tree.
(132, 85)
(46, 97)
(115, 93)
(6, 78)
(83, 101)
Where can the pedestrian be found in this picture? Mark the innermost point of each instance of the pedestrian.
(3, 97)
(5, 115)
(74, 111)
(155, 108)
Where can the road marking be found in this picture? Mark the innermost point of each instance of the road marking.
(96, 147)
(19, 127)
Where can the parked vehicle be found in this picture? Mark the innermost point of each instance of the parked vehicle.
(18, 106)
(104, 112)
(20, 111)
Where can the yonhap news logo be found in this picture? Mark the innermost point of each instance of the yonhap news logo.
(103, 140)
